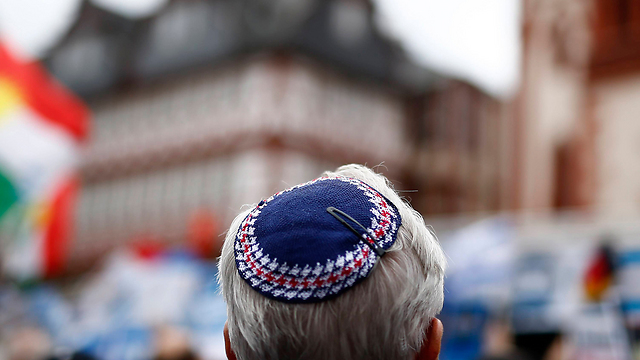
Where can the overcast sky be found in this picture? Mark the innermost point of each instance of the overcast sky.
(475, 40)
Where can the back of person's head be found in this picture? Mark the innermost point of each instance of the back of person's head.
(386, 311)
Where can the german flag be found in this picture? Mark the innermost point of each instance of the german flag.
(600, 273)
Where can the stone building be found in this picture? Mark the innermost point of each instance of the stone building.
(578, 106)
(208, 105)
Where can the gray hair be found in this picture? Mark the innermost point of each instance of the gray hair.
(384, 317)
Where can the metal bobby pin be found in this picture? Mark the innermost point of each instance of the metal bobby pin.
(337, 213)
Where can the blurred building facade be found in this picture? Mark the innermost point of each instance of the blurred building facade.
(464, 151)
(578, 106)
(208, 105)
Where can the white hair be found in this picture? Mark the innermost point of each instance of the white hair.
(383, 317)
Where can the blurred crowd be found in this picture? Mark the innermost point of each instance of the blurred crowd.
(141, 305)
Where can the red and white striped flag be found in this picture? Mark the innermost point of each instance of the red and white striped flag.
(42, 126)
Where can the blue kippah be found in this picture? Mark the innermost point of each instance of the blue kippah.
(315, 240)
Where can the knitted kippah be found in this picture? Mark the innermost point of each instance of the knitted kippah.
(316, 240)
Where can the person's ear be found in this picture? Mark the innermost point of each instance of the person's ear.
(431, 347)
(227, 344)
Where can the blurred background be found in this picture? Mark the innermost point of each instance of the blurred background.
(133, 131)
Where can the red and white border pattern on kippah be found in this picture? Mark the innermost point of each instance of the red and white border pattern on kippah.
(293, 283)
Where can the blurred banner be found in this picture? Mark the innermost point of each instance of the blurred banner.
(41, 127)
(478, 284)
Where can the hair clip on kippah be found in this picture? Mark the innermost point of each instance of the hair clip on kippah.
(366, 236)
